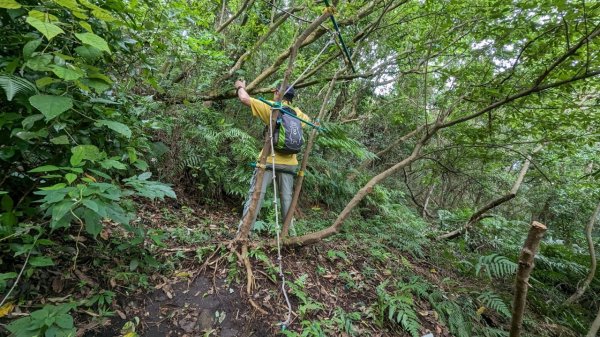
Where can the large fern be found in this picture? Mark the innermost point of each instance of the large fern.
(13, 85)
(336, 137)
(396, 308)
(493, 301)
(559, 265)
(452, 314)
(495, 265)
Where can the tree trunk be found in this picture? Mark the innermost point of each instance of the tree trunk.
(426, 203)
(588, 235)
(595, 326)
(494, 203)
(532, 243)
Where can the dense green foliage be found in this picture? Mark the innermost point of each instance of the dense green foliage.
(99, 97)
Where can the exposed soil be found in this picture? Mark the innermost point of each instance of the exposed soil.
(192, 309)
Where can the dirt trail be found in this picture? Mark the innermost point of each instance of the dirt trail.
(195, 310)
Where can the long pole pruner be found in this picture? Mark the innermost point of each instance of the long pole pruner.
(339, 34)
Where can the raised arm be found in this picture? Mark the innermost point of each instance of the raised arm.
(242, 94)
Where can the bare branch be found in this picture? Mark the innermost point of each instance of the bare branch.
(247, 4)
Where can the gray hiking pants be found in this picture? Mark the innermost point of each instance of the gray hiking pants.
(285, 186)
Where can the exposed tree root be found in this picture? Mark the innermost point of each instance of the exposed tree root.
(257, 307)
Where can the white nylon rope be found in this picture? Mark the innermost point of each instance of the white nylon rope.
(278, 229)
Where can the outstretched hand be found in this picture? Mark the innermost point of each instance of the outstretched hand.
(240, 84)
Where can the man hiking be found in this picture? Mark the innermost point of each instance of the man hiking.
(285, 160)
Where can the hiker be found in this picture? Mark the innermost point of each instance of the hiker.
(287, 163)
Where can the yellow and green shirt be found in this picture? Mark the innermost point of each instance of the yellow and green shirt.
(263, 111)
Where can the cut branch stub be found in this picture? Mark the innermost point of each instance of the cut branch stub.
(532, 243)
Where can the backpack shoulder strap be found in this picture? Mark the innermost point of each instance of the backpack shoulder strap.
(289, 109)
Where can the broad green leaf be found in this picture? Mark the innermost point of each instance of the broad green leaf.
(131, 153)
(80, 14)
(70, 4)
(86, 26)
(60, 140)
(67, 74)
(51, 106)
(92, 220)
(93, 40)
(9, 4)
(100, 174)
(30, 120)
(9, 219)
(41, 261)
(54, 187)
(103, 101)
(111, 163)
(39, 62)
(29, 135)
(103, 15)
(100, 77)
(44, 81)
(99, 86)
(30, 47)
(6, 203)
(133, 264)
(7, 276)
(48, 29)
(43, 16)
(91, 204)
(63, 56)
(88, 4)
(65, 322)
(70, 177)
(84, 152)
(141, 165)
(61, 209)
(45, 168)
(53, 197)
(82, 86)
(115, 126)
(89, 53)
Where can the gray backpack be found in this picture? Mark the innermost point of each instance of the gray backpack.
(287, 135)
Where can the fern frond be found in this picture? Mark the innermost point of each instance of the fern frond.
(493, 332)
(397, 308)
(14, 85)
(495, 265)
(337, 138)
(416, 285)
(493, 301)
(451, 314)
(559, 265)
